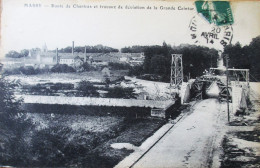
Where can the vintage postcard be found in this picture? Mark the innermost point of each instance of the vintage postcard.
(127, 83)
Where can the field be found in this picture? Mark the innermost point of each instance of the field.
(65, 84)
(75, 140)
(92, 76)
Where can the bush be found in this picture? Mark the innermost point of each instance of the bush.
(135, 71)
(13, 128)
(119, 92)
(85, 88)
(118, 66)
(28, 70)
(62, 68)
(21, 70)
(86, 67)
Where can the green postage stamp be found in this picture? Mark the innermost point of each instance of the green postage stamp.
(217, 12)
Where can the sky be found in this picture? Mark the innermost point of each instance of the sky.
(25, 28)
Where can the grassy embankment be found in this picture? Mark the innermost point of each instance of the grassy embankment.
(73, 139)
(241, 143)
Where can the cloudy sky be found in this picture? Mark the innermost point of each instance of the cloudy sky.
(24, 27)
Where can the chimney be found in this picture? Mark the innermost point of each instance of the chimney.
(72, 48)
(85, 55)
(57, 56)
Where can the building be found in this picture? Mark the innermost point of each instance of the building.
(106, 72)
(41, 58)
(47, 58)
(69, 60)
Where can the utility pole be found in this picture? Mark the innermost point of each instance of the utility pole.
(226, 55)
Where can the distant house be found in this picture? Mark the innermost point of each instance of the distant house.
(105, 58)
(106, 72)
(30, 65)
(13, 62)
(142, 96)
(135, 62)
(46, 58)
(69, 60)
(65, 58)
(124, 59)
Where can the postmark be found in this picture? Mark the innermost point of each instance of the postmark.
(211, 35)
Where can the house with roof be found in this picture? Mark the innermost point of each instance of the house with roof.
(106, 72)
(47, 58)
(67, 58)
(13, 62)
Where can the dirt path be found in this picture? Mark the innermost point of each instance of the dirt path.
(192, 142)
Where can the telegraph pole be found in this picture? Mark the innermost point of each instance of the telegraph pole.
(226, 55)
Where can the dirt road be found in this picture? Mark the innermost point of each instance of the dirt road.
(192, 142)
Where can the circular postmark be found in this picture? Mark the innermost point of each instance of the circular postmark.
(203, 33)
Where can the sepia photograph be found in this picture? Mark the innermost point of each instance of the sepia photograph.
(130, 84)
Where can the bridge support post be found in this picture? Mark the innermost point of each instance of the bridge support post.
(176, 71)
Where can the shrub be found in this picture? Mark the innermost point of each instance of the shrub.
(62, 68)
(119, 92)
(87, 67)
(85, 88)
(118, 66)
(13, 128)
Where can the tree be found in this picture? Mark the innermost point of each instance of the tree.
(253, 51)
(85, 88)
(13, 54)
(12, 128)
(90, 49)
(195, 60)
(158, 64)
(133, 49)
(136, 70)
(238, 56)
(246, 57)
(86, 67)
(24, 53)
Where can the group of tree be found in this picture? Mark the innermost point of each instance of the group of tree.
(118, 66)
(89, 49)
(87, 89)
(158, 61)
(28, 70)
(133, 49)
(246, 57)
(120, 92)
(22, 144)
(86, 67)
(195, 59)
(12, 127)
(58, 68)
(15, 54)
(62, 68)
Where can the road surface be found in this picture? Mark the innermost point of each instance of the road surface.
(193, 142)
